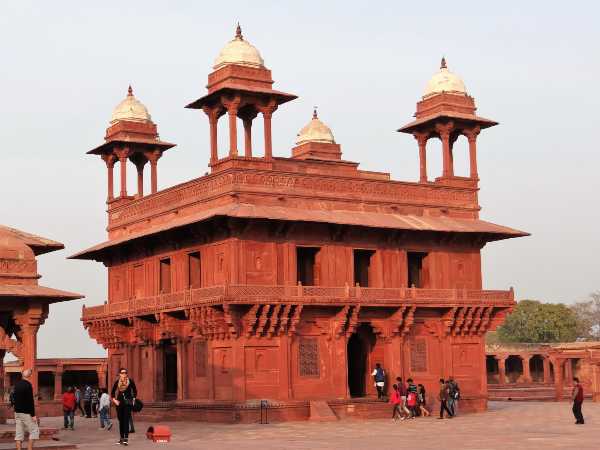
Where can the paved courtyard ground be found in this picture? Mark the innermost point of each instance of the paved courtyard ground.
(506, 426)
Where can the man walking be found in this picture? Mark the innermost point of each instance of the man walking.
(577, 396)
(25, 419)
(443, 398)
(69, 401)
(87, 402)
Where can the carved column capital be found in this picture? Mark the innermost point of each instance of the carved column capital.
(471, 133)
(444, 129)
(110, 160)
(122, 153)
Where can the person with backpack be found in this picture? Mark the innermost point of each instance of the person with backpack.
(577, 396)
(443, 398)
(379, 379)
(453, 395)
(69, 401)
(411, 398)
(87, 402)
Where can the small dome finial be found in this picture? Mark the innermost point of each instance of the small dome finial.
(129, 91)
(443, 64)
(238, 32)
(315, 116)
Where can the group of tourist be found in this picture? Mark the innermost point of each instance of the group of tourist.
(409, 400)
(98, 402)
(123, 396)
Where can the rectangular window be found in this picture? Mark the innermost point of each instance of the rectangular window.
(194, 270)
(165, 276)
(362, 266)
(308, 357)
(415, 269)
(305, 265)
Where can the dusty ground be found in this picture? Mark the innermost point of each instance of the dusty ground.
(506, 426)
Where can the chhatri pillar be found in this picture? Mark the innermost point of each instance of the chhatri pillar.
(559, 367)
(58, 376)
(526, 369)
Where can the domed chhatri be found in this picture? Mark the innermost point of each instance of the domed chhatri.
(315, 131)
(445, 81)
(130, 109)
(240, 52)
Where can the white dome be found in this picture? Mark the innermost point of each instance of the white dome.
(315, 131)
(444, 81)
(130, 109)
(239, 52)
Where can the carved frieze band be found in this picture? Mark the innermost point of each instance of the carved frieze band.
(196, 190)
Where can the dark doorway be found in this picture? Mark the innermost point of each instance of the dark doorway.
(357, 365)
(415, 269)
(362, 266)
(170, 372)
(492, 370)
(305, 264)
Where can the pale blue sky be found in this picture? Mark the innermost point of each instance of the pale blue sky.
(533, 66)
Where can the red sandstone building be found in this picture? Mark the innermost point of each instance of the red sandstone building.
(288, 277)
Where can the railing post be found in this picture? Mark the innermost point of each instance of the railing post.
(299, 290)
(346, 289)
(358, 291)
(413, 291)
(464, 293)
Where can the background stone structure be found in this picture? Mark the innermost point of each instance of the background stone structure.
(542, 371)
(288, 278)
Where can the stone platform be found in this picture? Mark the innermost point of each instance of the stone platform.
(507, 425)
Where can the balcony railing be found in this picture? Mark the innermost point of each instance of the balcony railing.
(245, 294)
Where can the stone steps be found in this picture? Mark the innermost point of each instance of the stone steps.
(7, 434)
(320, 411)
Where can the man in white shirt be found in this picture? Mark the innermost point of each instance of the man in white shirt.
(104, 410)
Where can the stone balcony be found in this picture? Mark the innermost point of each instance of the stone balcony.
(306, 295)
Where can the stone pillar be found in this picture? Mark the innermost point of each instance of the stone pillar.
(140, 177)
(58, 375)
(153, 156)
(595, 382)
(526, 372)
(546, 370)
(558, 378)
(101, 373)
(122, 154)
(472, 138)
(182, 374)
(232, 106)
(267, 112)
(501, 369)
(213, 118)
(248, 138)
(422, 141)
(444, 132)
(568, 373)
(110, 165)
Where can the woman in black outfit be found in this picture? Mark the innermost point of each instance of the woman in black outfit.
(123, 395)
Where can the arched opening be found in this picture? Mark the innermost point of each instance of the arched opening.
(492, 370)
(359, 347)
(536, 368)
(514, 368)
(460, 157)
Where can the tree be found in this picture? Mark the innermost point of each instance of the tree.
(588, 317)
(533, 322)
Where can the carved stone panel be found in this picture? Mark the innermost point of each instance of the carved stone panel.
(418, 355)
(308, 357)
(200, 358)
